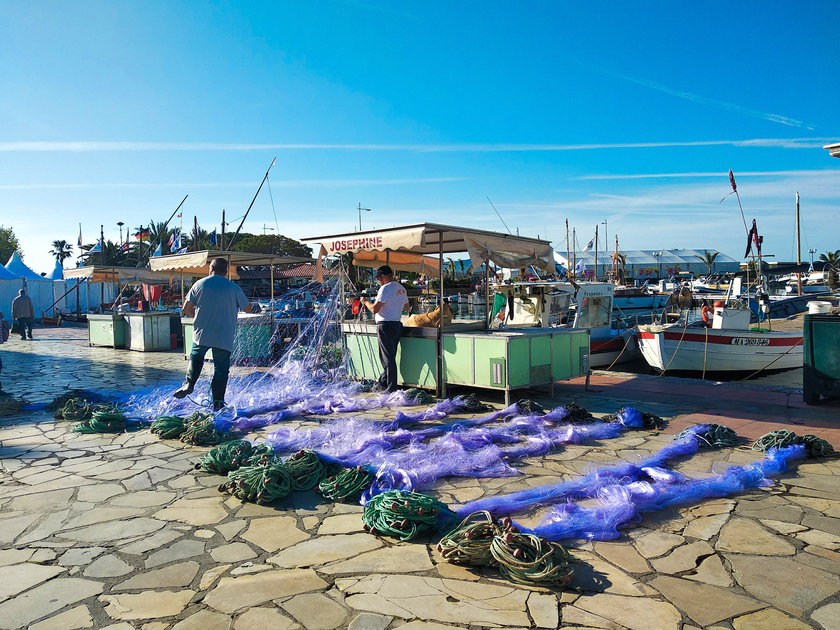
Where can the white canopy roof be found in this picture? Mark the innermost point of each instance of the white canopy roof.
(504, 250)
(96, 274)
(198, 263)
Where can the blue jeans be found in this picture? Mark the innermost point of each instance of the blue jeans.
(221, 368)
(24, 324)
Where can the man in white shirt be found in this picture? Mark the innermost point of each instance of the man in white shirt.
(391, 301)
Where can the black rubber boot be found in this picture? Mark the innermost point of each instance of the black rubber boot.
(217, 389)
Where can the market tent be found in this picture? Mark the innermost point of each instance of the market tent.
(97, 274)
(19, 268)
(57, 273)
(198, 263)
(401, 261)
(504, 250)
(5, 274)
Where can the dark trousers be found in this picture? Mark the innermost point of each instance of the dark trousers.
(24, 324)
(389, 334)
(221, 368)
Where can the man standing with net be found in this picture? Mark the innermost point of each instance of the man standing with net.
(391, 301)
(214, 302)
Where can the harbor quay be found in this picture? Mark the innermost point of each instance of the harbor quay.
(121, 531)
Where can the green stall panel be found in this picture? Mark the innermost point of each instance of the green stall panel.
(486, 350)
(363, 360)
(458, 359)
(416, 362)
(561, 353)
(519, 361)
(821, 357)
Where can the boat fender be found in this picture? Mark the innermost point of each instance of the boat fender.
(357, 306)
(707, 314)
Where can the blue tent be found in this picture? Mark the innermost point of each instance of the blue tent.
(5, 274)
(19, 269)
(57, 273)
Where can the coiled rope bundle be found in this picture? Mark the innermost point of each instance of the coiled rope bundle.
(75, 409)
(258, 484)
(201, 430)
(531, 560)
(405, 515)
(168, 427)
(226, 457)
(347, 485)
(469, 543)
(716, 436)
(106, 418)
(306, 470)
(814, 446)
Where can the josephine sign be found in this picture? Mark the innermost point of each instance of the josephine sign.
(351, 244)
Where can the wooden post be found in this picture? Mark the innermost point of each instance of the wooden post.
(798, 250)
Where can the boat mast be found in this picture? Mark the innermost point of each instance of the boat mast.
(568, 256)
(596, 253)
(574, 255)
(798, 250)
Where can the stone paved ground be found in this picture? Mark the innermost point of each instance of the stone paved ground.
(119, 531)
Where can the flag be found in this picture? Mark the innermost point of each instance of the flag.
(179, 214)
(79, 242)
(753, 239)
(159, 250)
(172, 238)
(142, 235)
(177, 243)
(125, 246)
(580, 267)
(183, 250)
(95, 248)
(589, 245)
(213, 237)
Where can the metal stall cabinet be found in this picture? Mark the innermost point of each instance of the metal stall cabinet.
(515, 359)
(107, 330)
(148, 331)
(821, 358)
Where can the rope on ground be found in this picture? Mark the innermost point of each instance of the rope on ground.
(258, 484)
(531, 560)
(347, 485)
(716, 436)
(168, 427)
(201, 430)
(528, 406)
(306, 470)
(419, 396)
(405, 515)
(814, 446)
(106, 419)
(469, 543)
(226, 457)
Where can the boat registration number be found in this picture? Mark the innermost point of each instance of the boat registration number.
(749, 341)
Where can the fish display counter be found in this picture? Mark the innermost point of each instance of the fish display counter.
(108, 329)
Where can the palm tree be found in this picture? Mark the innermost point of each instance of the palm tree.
(830, 257)
(62, 250)
(708, 259)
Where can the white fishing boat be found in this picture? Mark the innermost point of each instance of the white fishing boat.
(725, 342)
(587, 305)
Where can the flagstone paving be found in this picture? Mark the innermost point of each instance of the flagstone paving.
(120, 532)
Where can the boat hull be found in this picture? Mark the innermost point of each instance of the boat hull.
(718, 350)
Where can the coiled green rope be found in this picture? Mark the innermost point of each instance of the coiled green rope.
(716, 436)
(262, 454)
(225, 457)
(305, 469)
(526, 405)
(168, 427)
(419, 396)
(201, 430)
(531, 560)
(347, 485)
(814, 446)
(258, 484)
(469, 542)
(76, 409)
(472, 404)
(106, 419)
(405, 515)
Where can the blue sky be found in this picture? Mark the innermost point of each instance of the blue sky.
(629, 113)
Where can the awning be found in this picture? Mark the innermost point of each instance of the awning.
(505, 250)
(400, 261)
(96, 274)
(198, 263)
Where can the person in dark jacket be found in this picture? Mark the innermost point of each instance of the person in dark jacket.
(24, 312)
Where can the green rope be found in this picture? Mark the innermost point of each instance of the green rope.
(405, 515)
(531, 560)
(201, 430)
(527, 405)
(814, 446)
(104, 420)
(168, 427)
(305, 469)
(258, 484)
(469, 542)
(347, 485)
(225, 457)
(262, 454)
(76, 409)
(419, 396)
(716, 436)
(471, 404)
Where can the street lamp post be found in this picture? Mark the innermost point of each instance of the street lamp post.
(360, 215)
(658, 256)
(606, 235)
(120, 223)
(812, 252)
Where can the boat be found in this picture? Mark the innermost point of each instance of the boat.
(587, 305)
(720, 340)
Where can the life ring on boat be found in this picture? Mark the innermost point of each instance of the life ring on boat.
(357, 306)
(707, 314)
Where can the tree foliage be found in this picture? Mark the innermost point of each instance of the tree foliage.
(8, 244)
(708, 259)
(277, 245)
(831, 257)
(62, 250)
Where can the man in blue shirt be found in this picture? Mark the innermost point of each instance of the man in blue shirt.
(214, 303)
